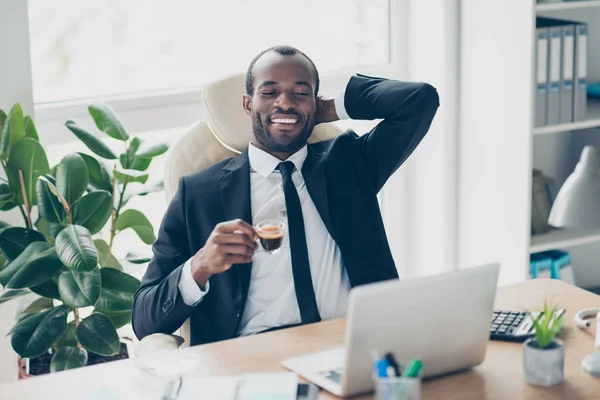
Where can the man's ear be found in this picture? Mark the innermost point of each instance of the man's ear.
(247, 103)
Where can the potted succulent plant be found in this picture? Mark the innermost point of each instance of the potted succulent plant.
(60, 253)
(543, 355)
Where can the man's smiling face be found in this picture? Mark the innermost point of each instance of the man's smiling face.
(283, 102)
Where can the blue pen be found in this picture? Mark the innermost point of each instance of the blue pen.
(381, 367)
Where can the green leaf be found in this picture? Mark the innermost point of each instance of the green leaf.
(79, 289)
(135, 163)
(105, 257)
(42, 226)
(41, 304)
(30, 130)
(68, 357)
(123, 160)
(94, 210)
(7, 198)
(14, 132)
(100, 177)
(16, 239)
(50, 204)
(547, 325)
(76, 249)
(12, 294)
(150, 150)
(36, 333)
(130, 175)
(68, 338)
(71, 177)
(91, 141)
(117, 291)
(97, 334)
(34, 266)
(47, 289)
(137, 221)
(140, 163)
(118, 318)
(137, 258)
(137, 190)
(135, 144)
(51, 183)
(107, 121)
(3, 118)
(55, 229)
(29, 157)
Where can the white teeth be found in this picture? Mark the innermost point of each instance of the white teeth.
(284, 121)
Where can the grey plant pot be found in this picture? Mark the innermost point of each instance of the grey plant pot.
(543, 367)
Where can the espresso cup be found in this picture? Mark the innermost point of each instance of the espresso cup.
(270, 235)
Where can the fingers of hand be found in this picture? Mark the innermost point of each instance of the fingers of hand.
(232, 254)
(236, 249)
(236, 225)
(234, 238)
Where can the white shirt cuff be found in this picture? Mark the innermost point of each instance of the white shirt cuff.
(189, 289)
(338, 102)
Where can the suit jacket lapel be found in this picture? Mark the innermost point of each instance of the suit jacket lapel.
(313, 172)
(235, 194)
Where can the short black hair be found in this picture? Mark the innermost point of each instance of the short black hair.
(284, 51)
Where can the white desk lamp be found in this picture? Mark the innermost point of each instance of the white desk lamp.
(577, 205)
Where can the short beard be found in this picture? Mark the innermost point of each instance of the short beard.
(266, 139)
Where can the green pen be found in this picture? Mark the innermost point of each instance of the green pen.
(413, 369)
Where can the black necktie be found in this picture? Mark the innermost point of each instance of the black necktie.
(305, 293)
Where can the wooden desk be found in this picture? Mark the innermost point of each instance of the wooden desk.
(499, 377)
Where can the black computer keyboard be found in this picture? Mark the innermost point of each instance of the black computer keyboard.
(514, 326)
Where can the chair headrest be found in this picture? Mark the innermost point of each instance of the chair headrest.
(228, 120)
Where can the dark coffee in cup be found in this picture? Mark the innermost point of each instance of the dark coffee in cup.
(270, 236)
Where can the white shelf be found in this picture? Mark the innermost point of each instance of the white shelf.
(567, 5)
(562, 238)
(592, 119)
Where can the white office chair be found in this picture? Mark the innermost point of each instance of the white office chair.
(225, 134)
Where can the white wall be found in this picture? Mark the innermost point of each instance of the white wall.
(15, 68)
(495, 141)
(424, 192)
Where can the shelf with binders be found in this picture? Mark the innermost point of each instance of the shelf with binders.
(584, 13)
(566, 5)
(592, 120)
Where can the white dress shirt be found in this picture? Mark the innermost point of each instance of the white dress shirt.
(271, 298)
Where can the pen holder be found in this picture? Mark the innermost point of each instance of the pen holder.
(397, 388)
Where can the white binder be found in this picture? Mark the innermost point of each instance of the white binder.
(566, 79)
(580, 72)
(541, 76)
(554, 58)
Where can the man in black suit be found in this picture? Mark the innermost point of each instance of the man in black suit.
(205, 265)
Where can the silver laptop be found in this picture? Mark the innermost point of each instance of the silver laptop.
(444, 320)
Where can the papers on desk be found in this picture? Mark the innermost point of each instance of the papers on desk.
(100, 393)
(275, 386)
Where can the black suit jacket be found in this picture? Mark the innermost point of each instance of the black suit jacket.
(343, 177)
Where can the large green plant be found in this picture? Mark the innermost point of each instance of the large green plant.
(62, 256)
